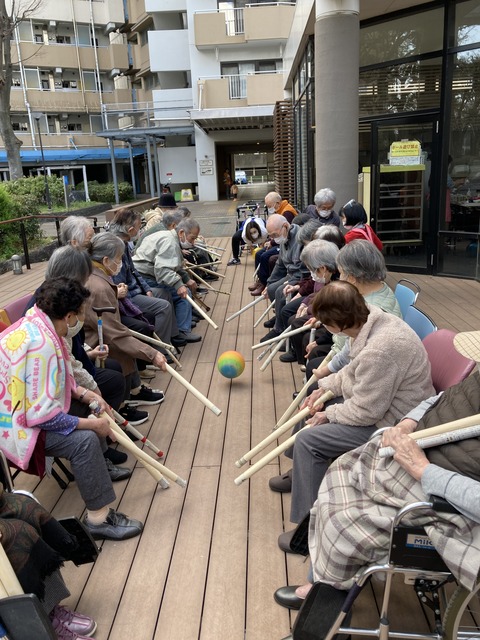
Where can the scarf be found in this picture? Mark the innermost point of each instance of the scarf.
(36, 383)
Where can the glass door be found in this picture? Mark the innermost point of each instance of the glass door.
(402, 200)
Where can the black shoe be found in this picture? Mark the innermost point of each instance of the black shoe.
(271, 334)
(133, 415)
(117, 526)
(290, 356)
(286, 597)
(117, 473)
(147, 396)
(190, 337)
(178, 341)
(115, 456)
(281, 484)
(269, 324)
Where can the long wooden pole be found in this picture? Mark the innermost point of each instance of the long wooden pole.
(328, 395)
(194, 391)
(245, 308)
(156, 343)
(263, 315)
(200, 311)
(282, 336)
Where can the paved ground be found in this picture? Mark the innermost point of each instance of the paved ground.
(217, 218)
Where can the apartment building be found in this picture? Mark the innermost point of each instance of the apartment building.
(216, 71)
(70, 61)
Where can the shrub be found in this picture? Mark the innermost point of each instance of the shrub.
(105, 192)
(16, 206)
(35, 187)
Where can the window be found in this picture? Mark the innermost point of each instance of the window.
(467, 23)
(89, 83)
(63, 40)
(74, 126)
(19, 126)
(143, 38)
(96, 123)
(16, 79)
(32, 80)
(83, 31)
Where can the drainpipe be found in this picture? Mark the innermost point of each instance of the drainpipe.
(24, 88)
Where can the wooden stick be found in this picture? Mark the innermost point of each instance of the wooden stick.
(470, 421)
(141, 456)
(328, 395)
(263, 315)
(302, 393)
(272, 345)
(274, 352)
(157, 343)
(200, 311)
(198, 278)
(245, 308)
(291, 332)
(194, 391)
(126, 425)
(212, 246)
(438, 440)
(191, 265)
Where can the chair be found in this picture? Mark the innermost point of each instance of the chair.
(15, 309)
(412, 556)
(406, 295)
(419, 322)
(448, 366)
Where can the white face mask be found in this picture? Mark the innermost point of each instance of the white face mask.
(116, 271)
(281, 240)
(254, 234)
(72, 331)
(315, 278)
(271, 210)
(324, 214)
(186, 245)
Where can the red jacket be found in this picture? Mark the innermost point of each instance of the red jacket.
(364, 232)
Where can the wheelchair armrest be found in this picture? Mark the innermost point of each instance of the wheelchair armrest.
(442, 505)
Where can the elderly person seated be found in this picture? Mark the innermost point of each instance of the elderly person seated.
(322, 210)
(387, 375)
(360, 263)
(159, 313)
(319, 256)
(36, 546)
(77, 231)
(361, 493)
(36, 407)
(106, 252)
(363, 265)
(159, 259)
(289, 268)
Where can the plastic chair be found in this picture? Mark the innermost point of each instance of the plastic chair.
(15, 309)
(419, 322)
(406, 295)
(448, 366)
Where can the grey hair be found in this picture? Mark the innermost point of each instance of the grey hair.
(323, 196)
(69, 260)
(105, 245)
(363, 261)
(320, 253)
(172, 217)
(188, 225)
(307, 231)
(74, 228)
(119, 230)
(331, 233)
(273, 196)
(185, 211)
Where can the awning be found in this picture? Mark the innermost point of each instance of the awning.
(32, 157)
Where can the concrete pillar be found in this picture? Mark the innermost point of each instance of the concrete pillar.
(337, 59)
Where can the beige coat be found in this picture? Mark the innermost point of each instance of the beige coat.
(122, 345)
(387, 376)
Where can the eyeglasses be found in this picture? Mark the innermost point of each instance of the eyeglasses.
(350, 203)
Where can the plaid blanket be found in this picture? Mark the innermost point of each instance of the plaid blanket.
(351, 520)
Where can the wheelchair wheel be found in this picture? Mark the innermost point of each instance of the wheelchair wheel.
(462, 616)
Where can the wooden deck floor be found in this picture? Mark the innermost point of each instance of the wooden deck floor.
(208, 563)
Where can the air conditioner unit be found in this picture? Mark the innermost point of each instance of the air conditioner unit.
(109, 28)
(52, 24)
(63, 116)
(113, 73)
(58, 71)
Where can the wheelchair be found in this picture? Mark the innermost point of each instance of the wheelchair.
(455, 610)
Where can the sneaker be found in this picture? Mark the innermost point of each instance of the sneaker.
(290, 356)
(147, 374)
(271, 334)
(233, 261)
(133, 415)
(62, 633)
(178, 341)
(269, 324)
(75, 622)
(117, 473)
(117, 526)
(147, 396)
(115, 456)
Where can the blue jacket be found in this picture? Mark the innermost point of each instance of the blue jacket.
(129, 275)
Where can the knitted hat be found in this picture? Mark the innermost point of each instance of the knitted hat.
(167, 200)
(468, 344)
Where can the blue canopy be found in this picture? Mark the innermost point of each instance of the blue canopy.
(72, 155)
